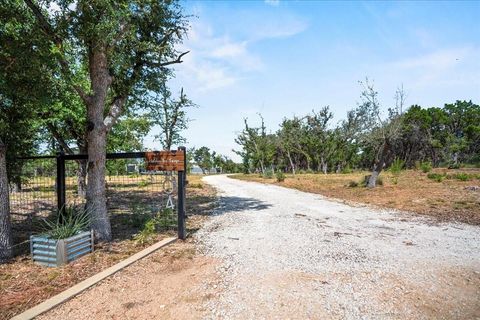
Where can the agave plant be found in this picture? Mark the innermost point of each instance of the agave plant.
(67, 223)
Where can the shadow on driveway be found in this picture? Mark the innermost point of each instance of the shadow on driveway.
(228, 204)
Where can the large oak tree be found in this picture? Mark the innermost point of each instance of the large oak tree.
(110, 53)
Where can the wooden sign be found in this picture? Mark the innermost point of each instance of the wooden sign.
(165, 160)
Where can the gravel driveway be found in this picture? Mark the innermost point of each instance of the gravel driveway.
(290, 254)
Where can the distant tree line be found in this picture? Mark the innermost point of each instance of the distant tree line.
(207, 160)
(447, 136)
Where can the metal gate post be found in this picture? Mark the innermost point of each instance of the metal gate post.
(181, 197)
(61, 184)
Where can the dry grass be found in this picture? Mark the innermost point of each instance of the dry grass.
(448, 200)
(24, 284)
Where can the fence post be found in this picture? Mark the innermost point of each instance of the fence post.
(61, 184)
(181, 197)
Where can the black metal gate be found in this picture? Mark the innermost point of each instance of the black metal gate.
(50, 183)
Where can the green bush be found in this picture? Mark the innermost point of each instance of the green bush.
(436, 176)
(347, 170)
(268, 174)
(165, 218)
(397, 166)
(280, 176)
(454, 166)
(68, 223)
(462, 176)
(426, 166)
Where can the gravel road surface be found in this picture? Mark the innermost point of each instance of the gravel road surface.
(288, 254)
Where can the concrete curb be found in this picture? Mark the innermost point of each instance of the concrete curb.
(87, 283)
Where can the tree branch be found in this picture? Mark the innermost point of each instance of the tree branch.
(167, 63)
(58, 137)
(49, 31)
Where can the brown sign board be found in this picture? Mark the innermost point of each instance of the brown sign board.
(165, 160)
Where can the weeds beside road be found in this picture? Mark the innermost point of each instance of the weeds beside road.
(449, 199)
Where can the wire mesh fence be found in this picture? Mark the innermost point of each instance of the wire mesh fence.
(134, 195)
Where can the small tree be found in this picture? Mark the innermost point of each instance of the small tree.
(383, 132)
(171, 116)
(203, 158)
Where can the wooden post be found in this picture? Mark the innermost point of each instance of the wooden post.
(181, 198)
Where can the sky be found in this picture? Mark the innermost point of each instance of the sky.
(285, 58)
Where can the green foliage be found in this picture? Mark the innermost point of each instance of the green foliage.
(436, 176)
(280, 176)
(426, 166)
(64, 225)
(462, 176)
(203, 158)
(397, 166)
(268, 174)
(165, 218)
(170, 115)
(425, 137)
(347, 170)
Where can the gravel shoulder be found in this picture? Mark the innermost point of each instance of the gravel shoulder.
(290, 254)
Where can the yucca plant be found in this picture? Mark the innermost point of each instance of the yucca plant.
(67, 223)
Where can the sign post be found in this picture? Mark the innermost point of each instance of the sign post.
(174, 160)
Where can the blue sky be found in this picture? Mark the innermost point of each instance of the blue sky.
(284, 58)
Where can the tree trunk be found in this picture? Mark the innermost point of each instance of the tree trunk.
(97, 142)
(291, 162)
(377, 168)
(6, 243)
(324, 166)
(262, 166)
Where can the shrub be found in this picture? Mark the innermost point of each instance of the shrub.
(280, 176)
(353, 184)
(164, 219)
(268, 174)
(397, 166)
(436, 176)
(68, 223)
(426, 166)
(454, 166)
(347, 170)
(309, 171)
(462, 176)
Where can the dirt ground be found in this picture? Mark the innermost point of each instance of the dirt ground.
(276, 253)
(172, 283)
(24, 284)
(448, 200)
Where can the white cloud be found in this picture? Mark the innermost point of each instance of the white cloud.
(218, 59)
(442, 66)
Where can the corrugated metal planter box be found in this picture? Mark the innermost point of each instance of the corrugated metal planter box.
(54, 253)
